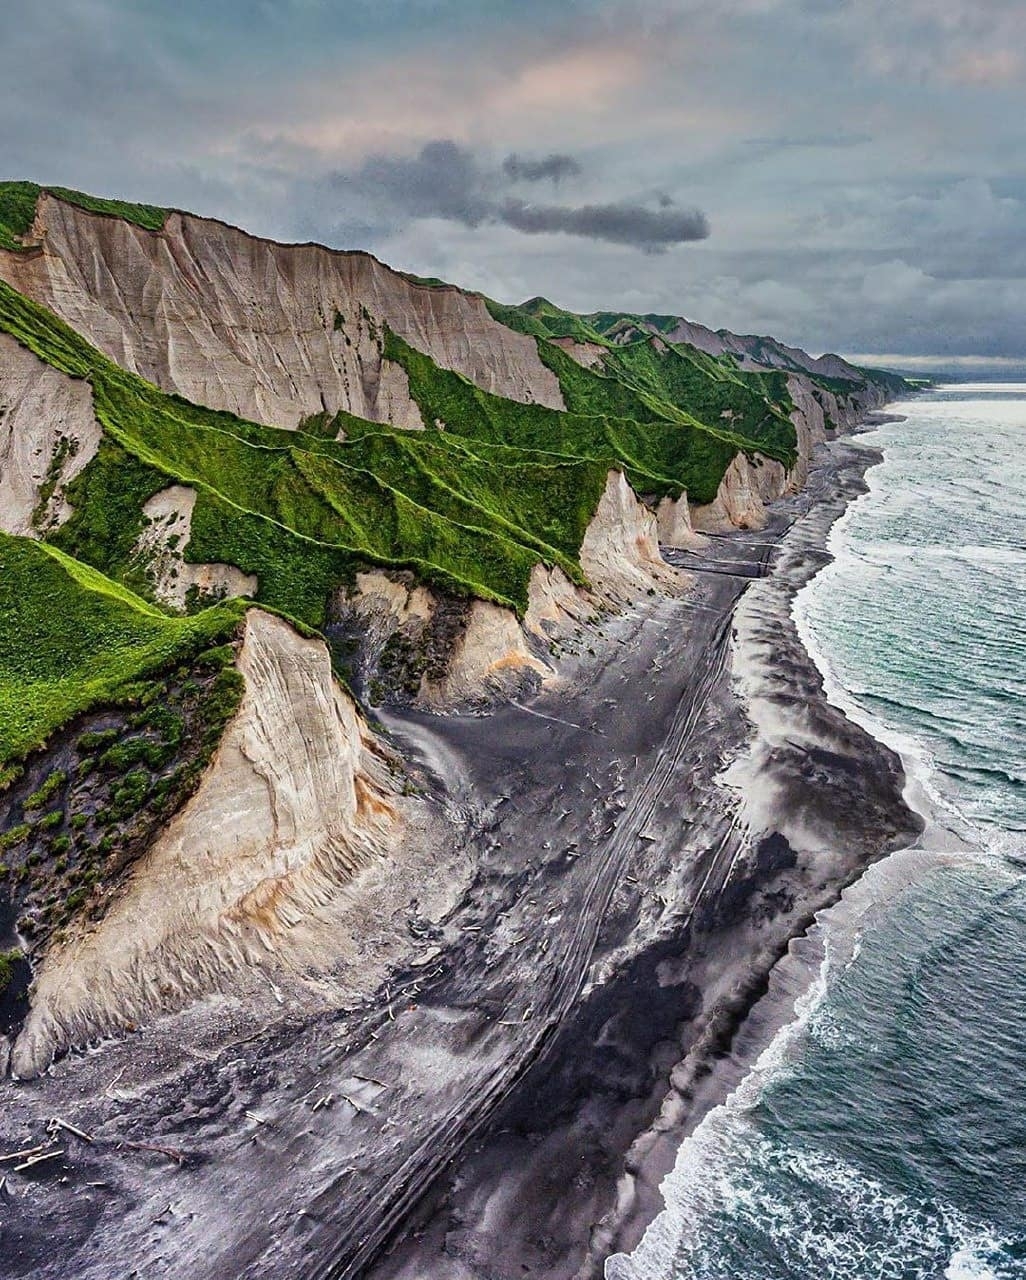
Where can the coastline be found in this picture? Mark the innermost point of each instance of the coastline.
(600, 951)
(707, 1073)
(759, 1038)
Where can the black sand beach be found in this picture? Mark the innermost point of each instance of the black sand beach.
(626, 907)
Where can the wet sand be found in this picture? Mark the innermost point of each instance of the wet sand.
(622, 916)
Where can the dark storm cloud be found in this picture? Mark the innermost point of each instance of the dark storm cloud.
(445, 180)
(632, 224)
(552, 168)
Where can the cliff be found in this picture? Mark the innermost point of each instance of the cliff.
(342, 484)
(265, 331)
(253, 871)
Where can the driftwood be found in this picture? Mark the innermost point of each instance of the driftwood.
(21, 1155)
(372, 1080)
(357, 1106)
(172, 1153)
(32, 1161)
(57, 1123)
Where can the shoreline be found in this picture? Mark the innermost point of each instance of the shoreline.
(770, 1037)
(698, 1081)
(619, 921)
(796, 980)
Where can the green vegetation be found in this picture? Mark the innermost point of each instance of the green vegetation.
(8, 962)
(14, 835)
(754, 406)
(471, 504)
(18, 208)
(46, 792)
(149, 216)
(542, 319)
(642, 377)
(300, 510)
(636, 350)
(662, 450)
(111, 788)
(71, 638)
(491, 488)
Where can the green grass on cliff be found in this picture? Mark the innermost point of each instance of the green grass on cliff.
(70, 639)
(490, 489)
(543, 319)
(18, 208)
(647, 379)
(663, 450)
(711, 389)
(303, 512)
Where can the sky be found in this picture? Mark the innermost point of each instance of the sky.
(847, 175)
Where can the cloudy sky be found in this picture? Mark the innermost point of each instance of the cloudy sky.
(845, 174)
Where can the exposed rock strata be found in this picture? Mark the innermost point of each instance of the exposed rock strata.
(48, 433)
(587, 354)
(752, 352)
(740, 503)
(620, 552)
(254, 870)
(271, 332)
(676, 529)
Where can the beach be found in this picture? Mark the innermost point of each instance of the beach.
(643, 844)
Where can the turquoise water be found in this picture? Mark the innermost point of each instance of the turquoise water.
(883, 1134)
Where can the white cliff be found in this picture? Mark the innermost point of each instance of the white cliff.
(256, 870)
(271, 332)
(48, 433)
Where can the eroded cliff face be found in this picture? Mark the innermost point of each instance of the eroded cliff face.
(620, 552)
(587, 354)
(676, 529)
(168, 527)
(48, 433)
(752, 481)
(256, 872)
(270, 332)
(740, 503)
(407, 643)
(751, 351)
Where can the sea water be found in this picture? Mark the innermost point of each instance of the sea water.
(883, 1133)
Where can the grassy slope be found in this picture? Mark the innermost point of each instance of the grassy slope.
(298, 510)
(724, 387)
(472, 507)
(18, 208)
(472, 504)
(662, 449)
(751, 408)
(71, 638)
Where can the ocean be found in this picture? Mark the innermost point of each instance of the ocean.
(882, 1134)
